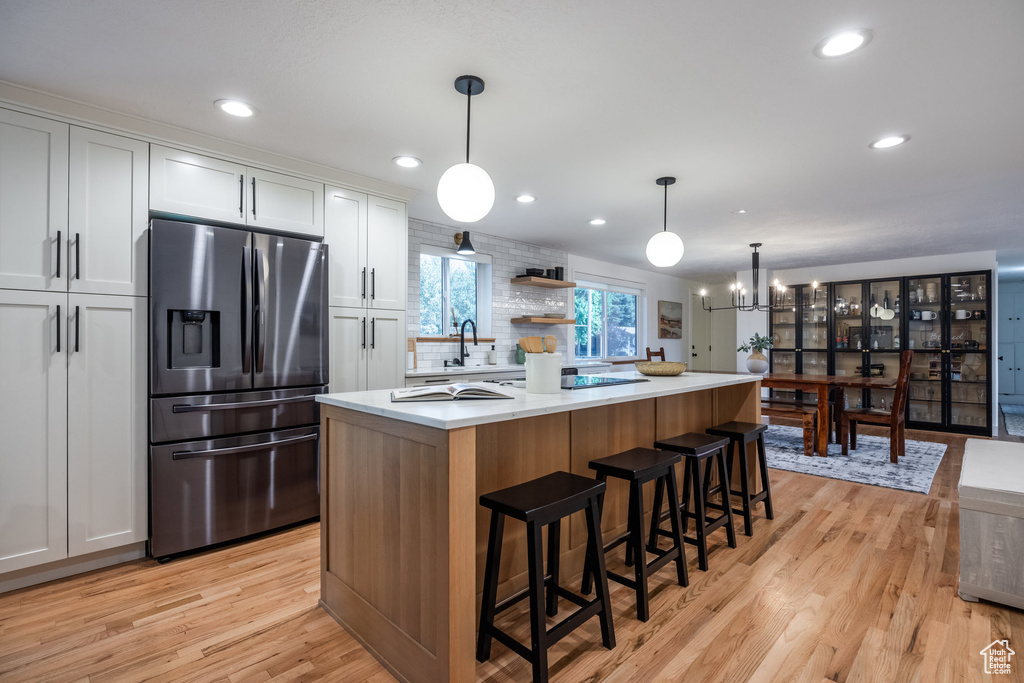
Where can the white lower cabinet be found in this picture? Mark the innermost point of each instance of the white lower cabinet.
(367, 349)
(72, 425)
(33, 429)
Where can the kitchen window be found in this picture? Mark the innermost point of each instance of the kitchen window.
(454, 288)
(608, 319)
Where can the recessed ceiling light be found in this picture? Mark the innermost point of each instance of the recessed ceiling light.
(596, 221)
(889, 141)
(525, 198)
(235, 108)
(740, 211)
(843, 43)
(407, 162)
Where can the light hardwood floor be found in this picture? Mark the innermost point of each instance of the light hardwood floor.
(848, 583)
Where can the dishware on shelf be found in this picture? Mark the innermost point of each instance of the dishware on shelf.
(557, 316)
(535, 272)
(660, 368)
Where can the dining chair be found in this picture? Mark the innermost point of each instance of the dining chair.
(894, 417)
(652, 354)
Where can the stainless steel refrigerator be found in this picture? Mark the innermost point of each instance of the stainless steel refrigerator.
(238, 352)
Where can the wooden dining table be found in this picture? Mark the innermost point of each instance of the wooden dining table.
(820, 385)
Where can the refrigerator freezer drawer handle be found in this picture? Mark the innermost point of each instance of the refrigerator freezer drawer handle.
(185, 455)
(202, 408)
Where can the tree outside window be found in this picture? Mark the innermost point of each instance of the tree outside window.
(446, 285)
(606, 323)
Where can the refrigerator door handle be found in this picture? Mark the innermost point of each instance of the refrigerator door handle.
(246, 311)
(261, 303)
(185, 455)
(190, 408)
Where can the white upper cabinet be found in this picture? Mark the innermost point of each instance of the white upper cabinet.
(281, 202)
(107, 250)
(369, 248)
(33, 428)
(195, 185)
(204, 187)
(33, 202)
(387, 253)
(345, 235)
(107, 422)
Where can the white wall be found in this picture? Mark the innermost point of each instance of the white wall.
(656, 287)
(749, 322)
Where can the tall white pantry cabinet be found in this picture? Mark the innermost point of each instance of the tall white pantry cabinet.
(368, 250)
(73, 328)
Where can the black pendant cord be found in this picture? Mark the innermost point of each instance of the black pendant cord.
(469, 104)
(664, 221)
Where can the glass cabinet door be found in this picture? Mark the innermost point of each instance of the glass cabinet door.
(925, 315)
(848, 335)
(884, 315)
(968, 390)
(925, 391)
(784, 342)
(968, 347)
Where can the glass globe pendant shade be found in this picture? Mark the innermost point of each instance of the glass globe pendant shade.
(665, 249)
(465, 193)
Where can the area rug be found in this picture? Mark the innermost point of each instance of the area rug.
(869, 464)
(1013, 418)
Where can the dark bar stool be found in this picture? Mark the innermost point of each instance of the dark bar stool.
(543, 502)
(739, 435)
(694, 447)
(639, 466)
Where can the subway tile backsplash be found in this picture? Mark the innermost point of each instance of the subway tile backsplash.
(508, 301)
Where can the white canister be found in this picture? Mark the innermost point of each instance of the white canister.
(543, 373)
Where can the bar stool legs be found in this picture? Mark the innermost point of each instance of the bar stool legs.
(739, 435)
(543, 502)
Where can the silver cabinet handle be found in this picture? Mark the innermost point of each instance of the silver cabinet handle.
(185, 455)
(204, 407)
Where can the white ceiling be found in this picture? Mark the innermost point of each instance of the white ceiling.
(587, 103)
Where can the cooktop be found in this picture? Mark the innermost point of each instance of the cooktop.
(583, 381)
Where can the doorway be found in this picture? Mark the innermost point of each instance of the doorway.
(700, 334)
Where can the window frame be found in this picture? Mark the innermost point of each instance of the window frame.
(484, 298)
(617, 286)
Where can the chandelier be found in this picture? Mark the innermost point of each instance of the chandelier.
(738, 293)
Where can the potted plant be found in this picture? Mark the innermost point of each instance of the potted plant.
(757, 362)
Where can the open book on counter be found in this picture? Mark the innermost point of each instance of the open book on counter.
(447, 392)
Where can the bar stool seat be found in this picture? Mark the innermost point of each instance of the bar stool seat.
(639, 466)
(739, 435)
(543, 502)
(695, 447)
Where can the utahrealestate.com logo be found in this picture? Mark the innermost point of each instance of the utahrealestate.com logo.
(997, 657)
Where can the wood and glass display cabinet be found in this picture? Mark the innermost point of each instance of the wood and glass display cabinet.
(800, 333)
(948, 328)
(867, 324)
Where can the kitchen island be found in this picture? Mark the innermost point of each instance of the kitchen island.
(403, 538)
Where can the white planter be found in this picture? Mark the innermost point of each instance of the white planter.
(757, 363)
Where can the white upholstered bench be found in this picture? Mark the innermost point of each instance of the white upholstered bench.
(992, 522)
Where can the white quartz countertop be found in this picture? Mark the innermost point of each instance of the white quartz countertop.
(469, 412)
(486, 369)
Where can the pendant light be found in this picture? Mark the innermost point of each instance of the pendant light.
(464, 246)
(465, 191)
(665, 248)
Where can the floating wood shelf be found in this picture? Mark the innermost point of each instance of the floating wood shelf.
(541, 320)
(534, 281)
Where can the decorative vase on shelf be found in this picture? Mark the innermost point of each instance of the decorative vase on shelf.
(757, 363)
